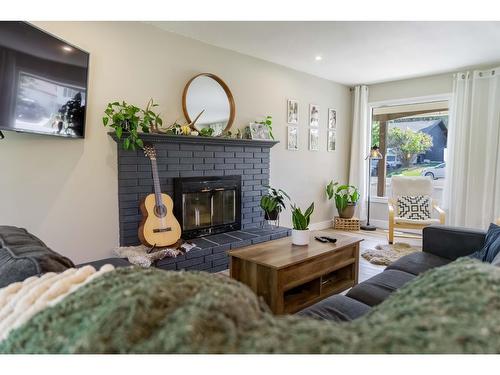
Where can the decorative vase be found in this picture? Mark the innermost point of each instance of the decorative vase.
(347, 212)
(300, 237)
(273, 215)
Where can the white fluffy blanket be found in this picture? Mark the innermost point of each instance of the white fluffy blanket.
(20, 301)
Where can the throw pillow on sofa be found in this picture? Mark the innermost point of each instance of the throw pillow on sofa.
(491, 246)
(23, 255)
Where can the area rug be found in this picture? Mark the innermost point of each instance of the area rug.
(384, 255)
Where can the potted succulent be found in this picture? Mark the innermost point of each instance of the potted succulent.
(346, 197)
(273, 203)
(300, 222)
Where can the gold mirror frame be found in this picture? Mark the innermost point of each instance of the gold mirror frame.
(232, 109)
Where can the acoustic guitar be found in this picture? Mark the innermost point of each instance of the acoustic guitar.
(159, 227)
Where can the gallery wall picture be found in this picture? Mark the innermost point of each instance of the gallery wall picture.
(313, 115)
(292, 112)
(259, 131)
(331, 140)
(313, 139)
(332, 118)
(293, 138)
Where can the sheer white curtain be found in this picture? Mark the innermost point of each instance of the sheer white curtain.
(472, 190)
(359, 146)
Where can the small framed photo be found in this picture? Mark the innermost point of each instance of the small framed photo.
(313, 139)
(313, 115)
(259, 131)
(331, 140)
(332, 118)
(292, 112)
(293, 138)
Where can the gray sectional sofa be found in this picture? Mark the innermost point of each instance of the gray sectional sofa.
(441, 245)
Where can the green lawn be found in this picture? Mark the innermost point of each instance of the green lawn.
(414, 170)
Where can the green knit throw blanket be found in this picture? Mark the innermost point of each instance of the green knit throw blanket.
(452, 309)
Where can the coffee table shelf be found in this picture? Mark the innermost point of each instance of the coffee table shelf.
(290, 277)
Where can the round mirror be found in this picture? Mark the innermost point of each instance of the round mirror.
(208, 102)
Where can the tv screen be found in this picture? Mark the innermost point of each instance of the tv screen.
(43, 82)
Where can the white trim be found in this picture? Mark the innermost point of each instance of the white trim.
(382, 200)
(414, 100)
(321, 225)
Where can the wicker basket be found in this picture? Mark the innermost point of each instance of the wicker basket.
(346, 224)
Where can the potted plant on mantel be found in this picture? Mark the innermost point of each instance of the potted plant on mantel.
(273, 203)
(346, 197)
(300, 223)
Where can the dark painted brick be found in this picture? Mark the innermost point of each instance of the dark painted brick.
(214, 148)
(131, 218)
(137, 175)
(251, 182)
(127, 197)
(128, 168)
(191, 173)
(168, 174)
(243, 235)
(167, 146)
(129, 204)
(214, 173)
(233, 172)
(218, 269)
(252, 160)
(220, 262)
(278, 235)
(259, 155)
(253, 149)
(196, 253)
(221, 255)
(129, 211)
(236, 245)
(233, 148)
(252, 171)
(180, 167)
(191, 147)
(202, 243)
(180, 154)
(222, 248)
(128, 160)
(214, 160)
(135, 189)
(243, 166)
(124, 183)
(203, 154)
(203, 167)
(224, 166)
(167, 267)
(244, 154)
(233, 160)
(190, 262)
(169, 160)
(192, 161)
(224, 154)
(261, 239)
(201, 267)
(177, 259)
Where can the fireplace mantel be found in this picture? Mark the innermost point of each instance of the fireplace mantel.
(190, 139)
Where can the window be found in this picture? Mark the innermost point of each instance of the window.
(412, 138)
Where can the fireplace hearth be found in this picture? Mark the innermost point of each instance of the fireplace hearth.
(207, 205)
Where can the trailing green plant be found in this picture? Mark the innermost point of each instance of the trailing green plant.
(300, 221)
(343, 194)
(274, 200)
(127, 119)
(268, 122)
(206, 132)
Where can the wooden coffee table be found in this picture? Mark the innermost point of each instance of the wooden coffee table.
(291, 277)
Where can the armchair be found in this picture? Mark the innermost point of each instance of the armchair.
(412, 186)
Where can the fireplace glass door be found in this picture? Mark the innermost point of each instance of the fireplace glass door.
(208, 209)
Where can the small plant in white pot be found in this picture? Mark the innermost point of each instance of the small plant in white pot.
(300, 222)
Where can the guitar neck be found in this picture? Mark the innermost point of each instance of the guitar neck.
(156, 183)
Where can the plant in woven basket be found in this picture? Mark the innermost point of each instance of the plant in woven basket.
(346, 197)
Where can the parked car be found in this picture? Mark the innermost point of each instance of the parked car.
(438, 171)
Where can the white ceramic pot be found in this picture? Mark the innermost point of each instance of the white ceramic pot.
(300, 237)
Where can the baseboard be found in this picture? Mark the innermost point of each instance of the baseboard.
(321, 225)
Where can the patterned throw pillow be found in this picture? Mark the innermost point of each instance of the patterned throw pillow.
(414, 208)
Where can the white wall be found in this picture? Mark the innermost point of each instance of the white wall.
(65, 191)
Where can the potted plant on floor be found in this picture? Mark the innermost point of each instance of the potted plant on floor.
(273, 203)
(300, 222)
(346, 198)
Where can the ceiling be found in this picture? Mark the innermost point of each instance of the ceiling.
(355, 52)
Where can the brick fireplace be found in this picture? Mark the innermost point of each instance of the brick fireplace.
(187, 156)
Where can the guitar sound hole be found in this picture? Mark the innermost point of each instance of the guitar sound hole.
(161, 211)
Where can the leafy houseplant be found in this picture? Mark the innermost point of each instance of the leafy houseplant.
(300, 222)
(268, 122)
(273, 203)
(346, 197)
(127, 120)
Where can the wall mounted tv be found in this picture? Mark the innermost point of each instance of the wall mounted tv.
(43, 82)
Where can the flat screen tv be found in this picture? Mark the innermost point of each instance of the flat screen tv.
(43, 82)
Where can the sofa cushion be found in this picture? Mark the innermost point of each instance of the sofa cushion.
(116, 262)
(418, 262)
(23, 255)
(338, 308)
(373, 291)
(491, 245)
